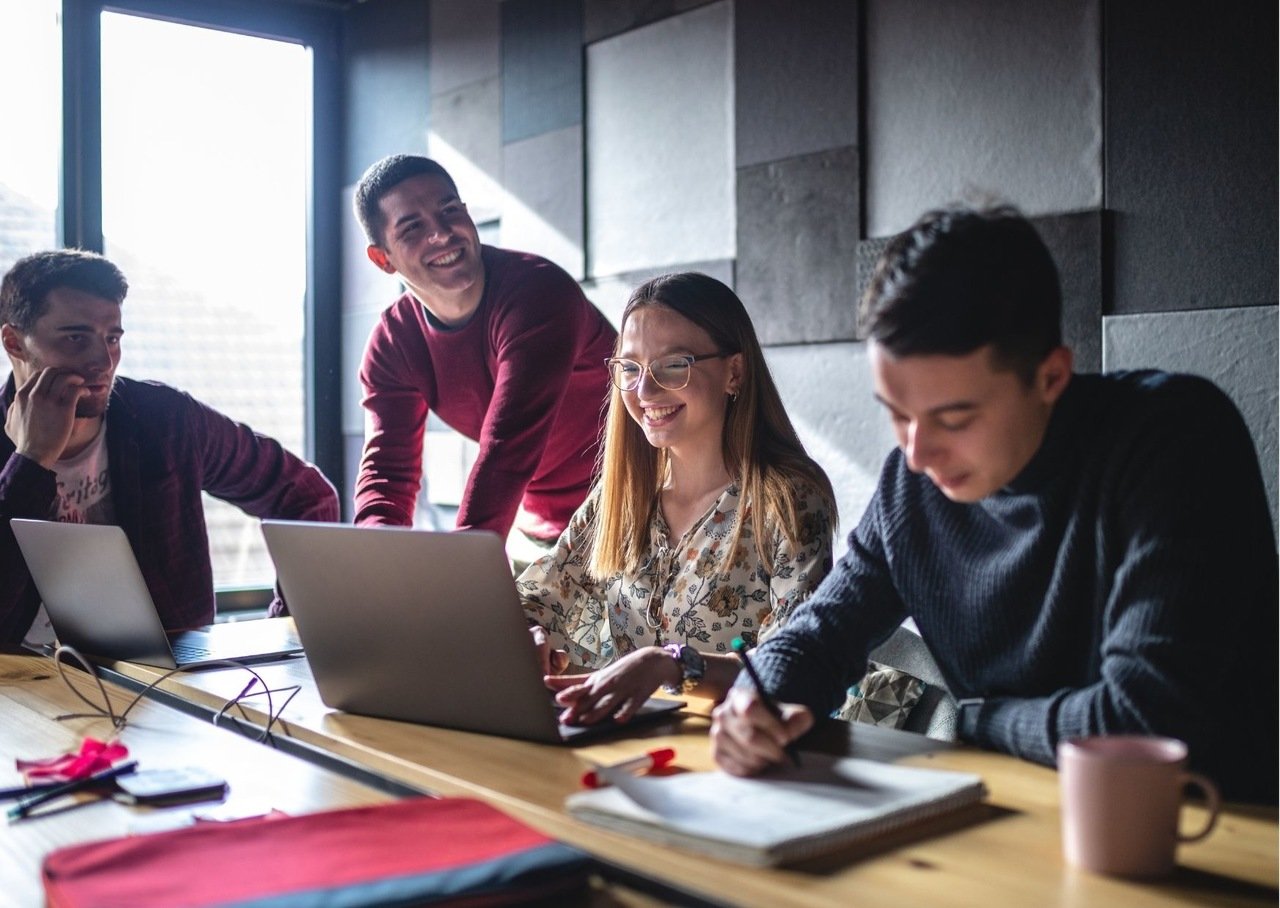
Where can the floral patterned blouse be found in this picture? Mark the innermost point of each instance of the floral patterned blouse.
(681, 592)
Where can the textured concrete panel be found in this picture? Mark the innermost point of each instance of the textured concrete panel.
(364, 287)
(1236, 348)
(867, 257)
(464, 43)
(997, 96)
(605, 18)
(543, 210)
(541, 67)
(797, 241)
(828, 393)
(386, 82)
(796, 78)
(610, 294)
(465, 138)
(1191, 154)
(1075, 241)
(660, 179)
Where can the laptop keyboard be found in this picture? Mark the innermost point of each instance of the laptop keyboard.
(190, 652)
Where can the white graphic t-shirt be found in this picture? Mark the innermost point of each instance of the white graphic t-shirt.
(84, 496)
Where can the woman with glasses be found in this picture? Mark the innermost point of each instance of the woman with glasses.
(708, 522)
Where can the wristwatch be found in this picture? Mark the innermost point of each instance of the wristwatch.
(692, 667)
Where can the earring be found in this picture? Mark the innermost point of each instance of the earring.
(733, 397)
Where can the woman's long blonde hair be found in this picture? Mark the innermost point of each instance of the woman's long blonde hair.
(760, 447)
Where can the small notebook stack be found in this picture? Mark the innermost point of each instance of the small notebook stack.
(783, 816)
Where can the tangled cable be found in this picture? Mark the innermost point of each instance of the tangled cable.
(105, 709)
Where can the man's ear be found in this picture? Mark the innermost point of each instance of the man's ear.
(1053, 373)
(378, 256)
(12, 340)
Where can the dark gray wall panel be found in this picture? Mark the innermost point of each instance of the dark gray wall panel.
(388, 99)
(541, 67)
(464, 43)
(1075, 241)
(1191, 153)
(605, 18)
(795, 78)
(797, 241)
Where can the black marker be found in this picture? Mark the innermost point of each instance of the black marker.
(740, 648)
(25, 806)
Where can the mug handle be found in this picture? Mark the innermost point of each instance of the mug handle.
(1210, 791)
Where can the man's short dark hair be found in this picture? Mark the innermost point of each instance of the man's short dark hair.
(962, 278)
(24, 294)
(381, 178)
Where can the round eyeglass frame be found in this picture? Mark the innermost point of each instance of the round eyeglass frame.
(689, 358)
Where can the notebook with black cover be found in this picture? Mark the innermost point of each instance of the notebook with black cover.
(420, 626)
(98, 602)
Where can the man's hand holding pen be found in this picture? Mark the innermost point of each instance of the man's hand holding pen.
(746, 737)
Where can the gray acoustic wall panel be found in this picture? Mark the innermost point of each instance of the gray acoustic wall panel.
(828, 393)
(797, 242)
(466, 139)
(606, 18)
(1075, 242)
(796, 83)
(610, 294)
(541, 66)
(660, 179)
(386, 85)
(1191, 154)
(542, 212)
(966, 96)
(1237, 348)
(464, 42)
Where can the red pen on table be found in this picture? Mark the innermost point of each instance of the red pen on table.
(654, 759)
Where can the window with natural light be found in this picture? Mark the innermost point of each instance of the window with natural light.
(30, 139)
(205, 151)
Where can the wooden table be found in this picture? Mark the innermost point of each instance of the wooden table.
(260, 780)
(1006, 851)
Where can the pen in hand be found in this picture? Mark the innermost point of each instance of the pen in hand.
(740, 647)
(26, 805)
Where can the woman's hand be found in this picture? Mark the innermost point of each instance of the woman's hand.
(553, 661)
(618, 690)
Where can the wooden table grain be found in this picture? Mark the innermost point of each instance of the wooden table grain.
(1006, 851)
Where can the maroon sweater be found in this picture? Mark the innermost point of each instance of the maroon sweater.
(525, 378)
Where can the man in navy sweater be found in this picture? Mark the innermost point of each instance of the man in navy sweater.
(1083, 554)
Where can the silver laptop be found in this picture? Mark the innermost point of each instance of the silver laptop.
(420, 626)
(98, 602)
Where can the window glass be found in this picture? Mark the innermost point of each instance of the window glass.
(205, 138)
(30, 129)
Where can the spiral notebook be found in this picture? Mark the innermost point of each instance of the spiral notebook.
(783, 816)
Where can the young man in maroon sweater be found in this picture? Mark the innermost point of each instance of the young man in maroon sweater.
(501, 345)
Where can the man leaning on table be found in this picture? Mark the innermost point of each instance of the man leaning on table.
(82, 445)
(502, 345)
(1083, 554)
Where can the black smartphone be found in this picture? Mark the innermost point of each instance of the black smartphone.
(167, 787)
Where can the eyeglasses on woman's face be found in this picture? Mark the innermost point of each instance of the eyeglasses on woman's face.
(669, 372)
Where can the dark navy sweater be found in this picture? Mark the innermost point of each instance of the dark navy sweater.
(1124, 582)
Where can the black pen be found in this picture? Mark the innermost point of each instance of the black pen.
(25, 806)
(740, 647)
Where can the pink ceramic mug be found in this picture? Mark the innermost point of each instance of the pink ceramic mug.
(1121, 798)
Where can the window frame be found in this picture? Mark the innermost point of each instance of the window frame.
(79, 217)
